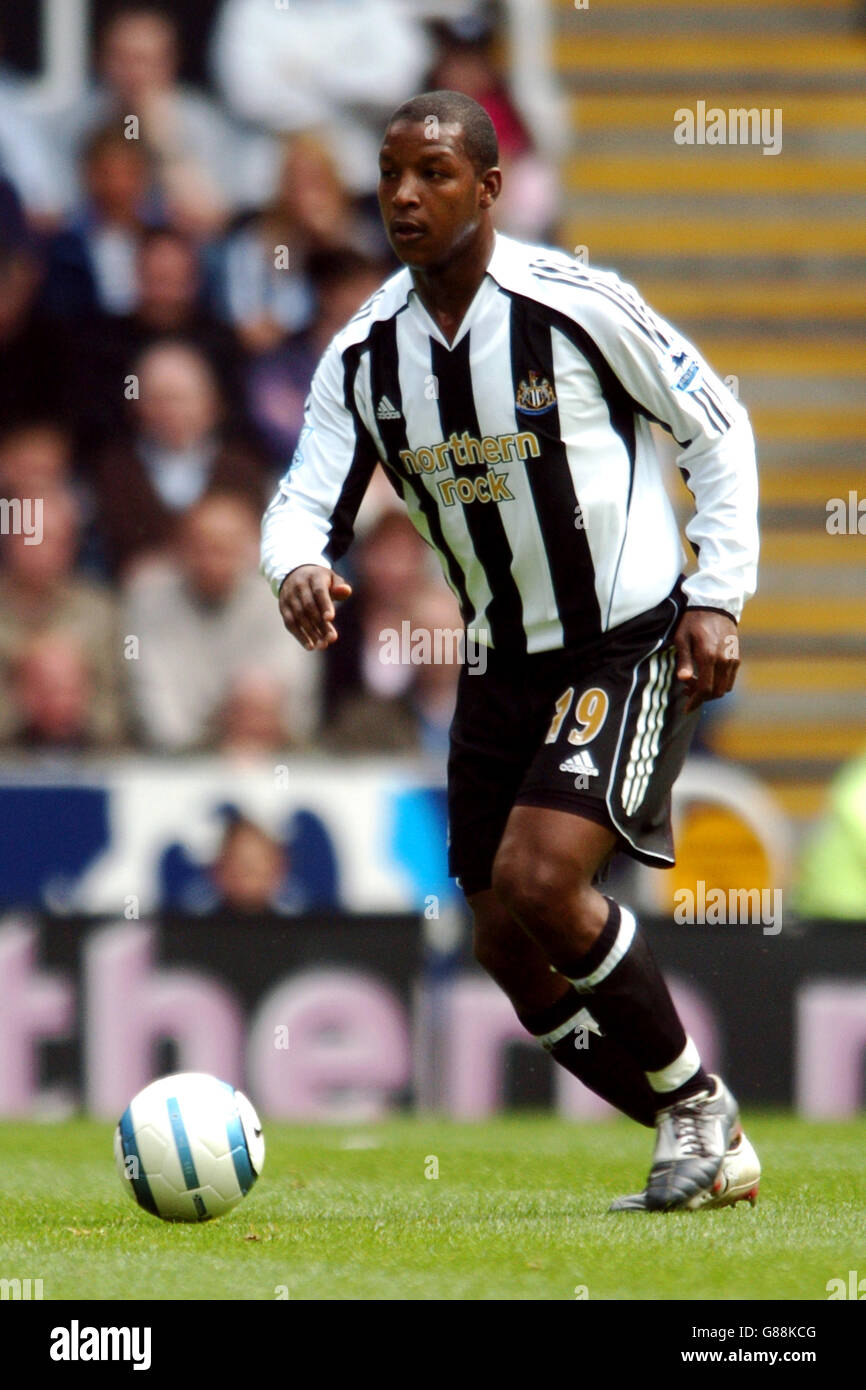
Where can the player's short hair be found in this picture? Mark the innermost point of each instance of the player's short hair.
(455, 108)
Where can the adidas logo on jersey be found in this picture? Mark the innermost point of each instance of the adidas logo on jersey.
(580, 763)
(385, 410)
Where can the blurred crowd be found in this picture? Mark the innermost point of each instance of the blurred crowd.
(173, 262)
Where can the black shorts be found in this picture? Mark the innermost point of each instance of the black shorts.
(600, 732)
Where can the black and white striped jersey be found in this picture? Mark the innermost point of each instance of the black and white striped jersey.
(524, 452)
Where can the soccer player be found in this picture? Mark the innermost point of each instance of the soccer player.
(508, 392)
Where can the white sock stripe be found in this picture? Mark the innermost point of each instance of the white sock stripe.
(677, 1073)
(624, 938)
(582, 1019)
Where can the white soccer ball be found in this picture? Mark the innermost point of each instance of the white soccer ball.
(188, 1147)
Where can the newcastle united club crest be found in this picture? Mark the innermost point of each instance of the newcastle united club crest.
(536, 397)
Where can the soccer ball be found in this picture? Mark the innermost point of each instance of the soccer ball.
(188, 1147)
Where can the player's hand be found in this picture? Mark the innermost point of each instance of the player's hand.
(708, 655)
(307, 598)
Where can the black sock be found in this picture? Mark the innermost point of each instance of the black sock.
(565, 1030)
(626, 992)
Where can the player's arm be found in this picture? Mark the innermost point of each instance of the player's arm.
(670, 382)
(309, 523)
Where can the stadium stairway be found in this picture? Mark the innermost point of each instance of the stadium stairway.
(761, 259)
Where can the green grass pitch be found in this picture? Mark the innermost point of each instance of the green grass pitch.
(518, 1211)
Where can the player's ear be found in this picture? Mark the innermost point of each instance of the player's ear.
(491, 187)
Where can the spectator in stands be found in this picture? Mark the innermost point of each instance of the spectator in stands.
(92, 260)
(414, 716)
(392, 564)
(204, 623)
(278, 381)
(260, 277)
(34, 459)
(433, 691)
(179, 449)
(465, 63)
(253, 872)
(321, 65)
(252, 721)
(169, 306)
(51, 695)
(288, 869)
(249, 874)
(196, 155)
(43, 597)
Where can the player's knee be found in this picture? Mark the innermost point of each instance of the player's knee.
(531, 886)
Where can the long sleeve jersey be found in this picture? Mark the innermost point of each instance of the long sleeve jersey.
(524, 453)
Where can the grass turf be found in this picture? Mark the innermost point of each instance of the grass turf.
(518, 1212)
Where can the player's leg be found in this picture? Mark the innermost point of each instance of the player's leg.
(617, 735)
(494, 738)
(550, 1009)
(543, 873)
(499, 725)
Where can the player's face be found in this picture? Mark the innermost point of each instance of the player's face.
(431, 196)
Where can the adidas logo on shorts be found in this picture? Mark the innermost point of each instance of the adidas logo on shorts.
(580, 763)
